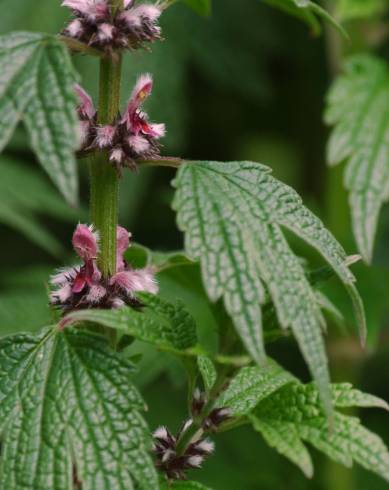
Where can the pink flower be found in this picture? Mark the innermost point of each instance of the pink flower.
(91, 9)
(122, 244)
(105, 32)
(132, 118)
(105, 136)
(86, 108)
(135, 280)
(85, 287)
(85, 242)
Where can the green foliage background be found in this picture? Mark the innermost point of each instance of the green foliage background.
(247, 83)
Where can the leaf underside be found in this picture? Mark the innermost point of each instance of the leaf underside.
(233, 215)
(294, 415)
(37, 86)
(358, 108)
(68, 410)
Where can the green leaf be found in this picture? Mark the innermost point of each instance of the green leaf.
(159, 322)
(36, 85)
(253, 384)
(207, 370)
(19, 209)
(358, 108)
(307, 11)
(286, 440)
(294, 414)
(201, 7)
(66, 402)
(233, 215)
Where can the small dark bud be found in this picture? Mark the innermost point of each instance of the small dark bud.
(216, 418)
(198, 402)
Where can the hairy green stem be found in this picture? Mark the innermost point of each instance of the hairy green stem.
(104, 179)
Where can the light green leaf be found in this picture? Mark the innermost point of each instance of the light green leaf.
(207, 370)
(66, 402)
(201, 7)
(286, 440)
(159, 322)
(253, 384)
(294, 414)
(358, 109)
(233, 215)
(36, 86)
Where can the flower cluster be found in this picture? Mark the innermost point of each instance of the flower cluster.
(98, 24)
(173, 464)
(83, 286)
(130, 137)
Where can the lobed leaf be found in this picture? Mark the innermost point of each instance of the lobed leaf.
(158, 322)
(69, 411)
(357, 107)
(36, 86)
(233, 215)
(294, 414)
(252, 385)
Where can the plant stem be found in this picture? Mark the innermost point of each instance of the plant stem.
(104, 180)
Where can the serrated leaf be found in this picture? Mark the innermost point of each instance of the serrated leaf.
(358, 109)
(207, 371)
(294, 414)
(286, 440)
(36, 86)
(67, 404)
(159, 322)
(201, 7)
(252, 385)
(232, 215)
(309, 12)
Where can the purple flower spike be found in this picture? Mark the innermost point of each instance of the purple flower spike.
(132, 118)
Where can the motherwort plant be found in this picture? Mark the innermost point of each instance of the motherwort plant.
(70, 413)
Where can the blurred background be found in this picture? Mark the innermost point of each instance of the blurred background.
(249, 82)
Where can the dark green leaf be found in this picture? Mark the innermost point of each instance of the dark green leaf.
(358, 108)
(294, 414)
(253, 384)
(159, 322)
(202, 7)
(36, 86)
(207, 371)
(233, 215)
(66, 403)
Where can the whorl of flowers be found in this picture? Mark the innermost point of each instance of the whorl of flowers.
(98, 24)
(130, 137)
(172, 461)
(83, 286)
